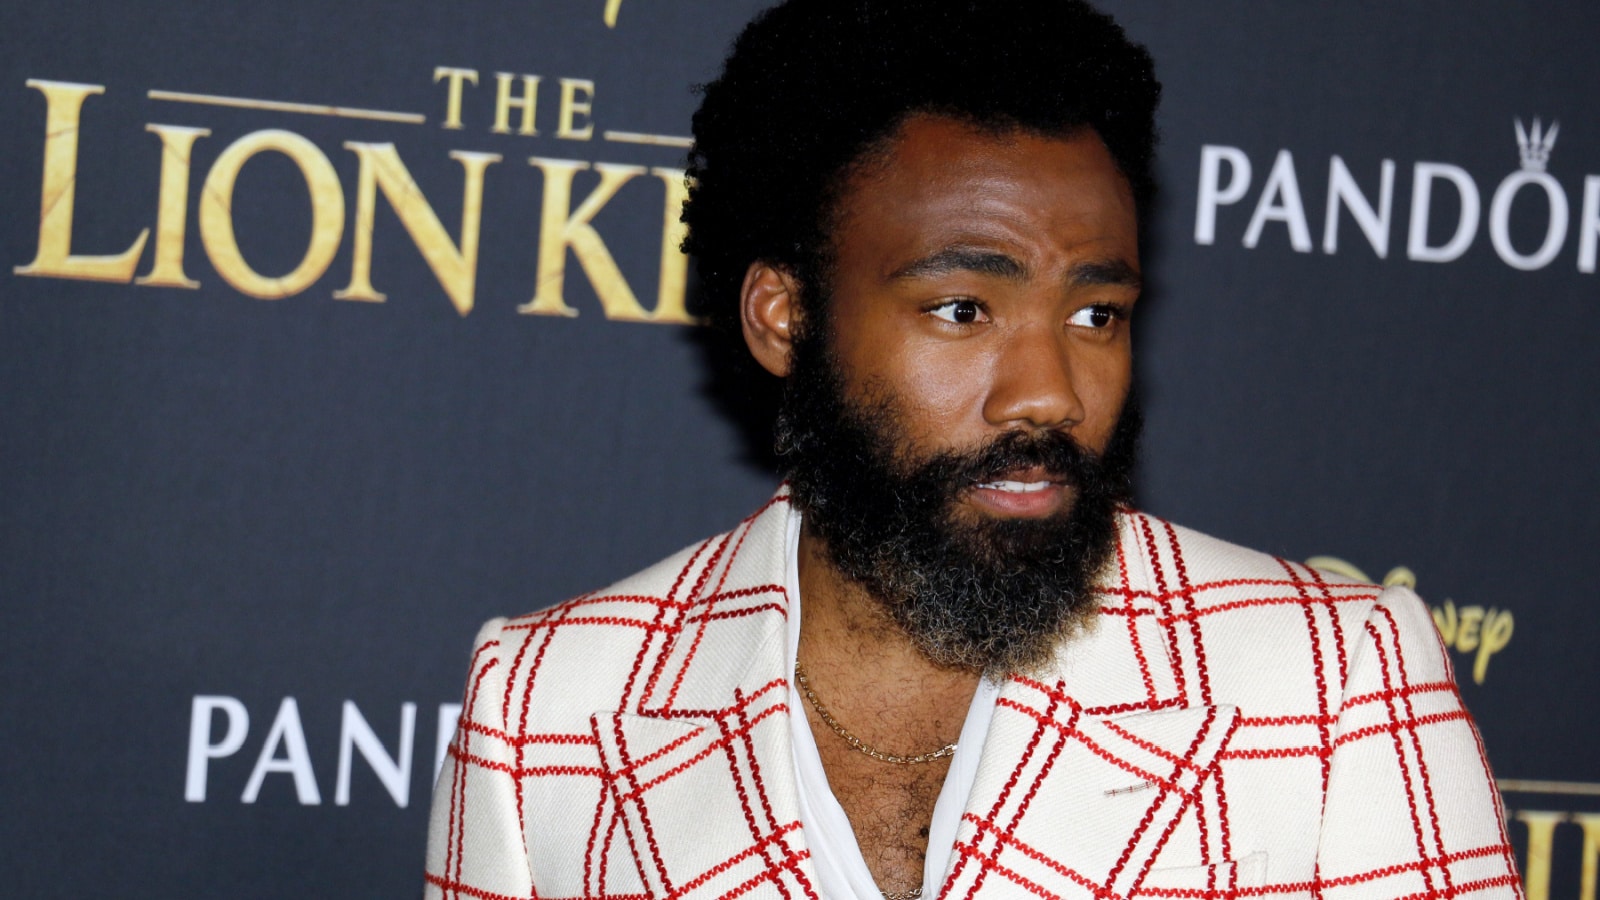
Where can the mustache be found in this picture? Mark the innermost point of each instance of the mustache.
(1055, 453)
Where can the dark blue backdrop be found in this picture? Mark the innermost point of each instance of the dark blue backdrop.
(206, 494)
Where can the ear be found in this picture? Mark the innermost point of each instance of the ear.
(769, 311)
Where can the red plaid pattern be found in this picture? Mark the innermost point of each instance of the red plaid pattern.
(1233, 726)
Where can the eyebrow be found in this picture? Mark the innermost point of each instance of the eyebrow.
(989, 262)
(962, 259)
(1110, 271)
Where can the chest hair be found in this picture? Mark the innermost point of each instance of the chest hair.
(890, 808)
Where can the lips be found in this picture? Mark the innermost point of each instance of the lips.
(1023, 481)
(1016, 487)
(1026, 493)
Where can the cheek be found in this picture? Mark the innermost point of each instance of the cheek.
(1102, 383)
(941, 389)
(933, 385)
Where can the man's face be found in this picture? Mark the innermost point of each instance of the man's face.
(984, 281)
(947, 419)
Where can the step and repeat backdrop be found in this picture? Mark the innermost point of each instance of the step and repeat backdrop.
(329, 330)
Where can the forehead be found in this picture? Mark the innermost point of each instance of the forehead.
(942, 182)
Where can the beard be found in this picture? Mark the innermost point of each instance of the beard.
(970, 590)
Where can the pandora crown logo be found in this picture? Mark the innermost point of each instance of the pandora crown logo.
(1535, 146)
(1226, 180)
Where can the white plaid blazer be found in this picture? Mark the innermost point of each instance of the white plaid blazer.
(1234, 726)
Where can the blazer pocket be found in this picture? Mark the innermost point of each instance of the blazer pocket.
(1220, 879)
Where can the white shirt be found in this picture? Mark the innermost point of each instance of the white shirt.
(841, 869)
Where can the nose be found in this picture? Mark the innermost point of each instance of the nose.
(1032, 382)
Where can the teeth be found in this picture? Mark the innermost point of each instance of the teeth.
(1015, 487)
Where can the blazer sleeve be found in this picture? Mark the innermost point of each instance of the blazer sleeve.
(476, 844)
(1411, 809)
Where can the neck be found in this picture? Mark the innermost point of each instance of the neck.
(867, 669)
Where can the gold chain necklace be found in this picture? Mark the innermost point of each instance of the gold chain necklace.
(860, 745)
(912, 894)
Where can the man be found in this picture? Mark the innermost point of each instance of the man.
(947, 659)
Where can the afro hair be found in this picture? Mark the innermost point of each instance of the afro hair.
(813, 87)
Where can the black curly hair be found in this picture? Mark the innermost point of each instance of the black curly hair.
(814, 87)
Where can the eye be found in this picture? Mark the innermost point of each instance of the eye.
(964, 311)
(1098, 316)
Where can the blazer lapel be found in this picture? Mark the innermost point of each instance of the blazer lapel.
(1070, 804)
(699, 783)
(707, 806)
(1087, 770)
